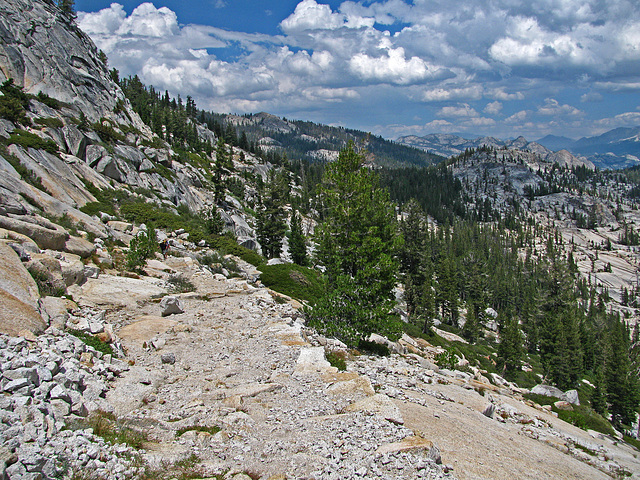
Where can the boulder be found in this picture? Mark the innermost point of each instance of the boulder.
(79, 246)
(75, 140)
(18, 295)
(50, 270)
(108, 166)
(549, 391)
(94, 154)
(57, 310)
(44, 233)
(312, 359)
(72, 270)
(563, 405)
(380, 405)
(572, 397)
(171, 305)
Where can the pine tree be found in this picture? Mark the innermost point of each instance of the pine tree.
(68, 8)
(297, 244)
(510, 347)
(270, 220)
(357, 241)
(623, 394)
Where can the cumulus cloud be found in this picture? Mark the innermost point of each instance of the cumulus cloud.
(310, 15)
(493, 108)
(393, 67)
(462, 110)
(440, 94)
(489, 56)
(553, 107)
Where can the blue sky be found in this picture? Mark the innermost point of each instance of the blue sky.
(393, 67)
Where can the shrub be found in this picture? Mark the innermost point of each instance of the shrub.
(180, 284)
(107, 426)
(93, 342)
(48, 101)
(13, 103)
(586, 418)
(94, 208)
(107, 133)
(336, 359)
(229, 246)
(446, 359)
(31, 140)
(373, 347)
(293, 280)
(52, 122)
(141, 247)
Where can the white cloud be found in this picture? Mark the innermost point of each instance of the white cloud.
(626, 119)
(500, 94)
(553, 107)
(518, 117)
(440, 94)
(393, 68)
(461, 110)
(310, 15)
(146, 20)
(106, 21)
(493, 108)
(489, 56)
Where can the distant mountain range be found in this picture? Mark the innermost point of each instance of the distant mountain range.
(616, 149)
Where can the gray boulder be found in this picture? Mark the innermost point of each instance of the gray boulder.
(171, 305)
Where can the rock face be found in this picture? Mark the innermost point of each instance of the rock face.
(49, 54)
(18, 295)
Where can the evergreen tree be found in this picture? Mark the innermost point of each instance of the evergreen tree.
(357, 241)
(510, 347)
(68, 8)
(297, 244)
(623, 394)
(221, 170)
(270, 220)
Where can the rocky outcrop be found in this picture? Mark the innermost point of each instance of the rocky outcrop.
(18, 295)
(44, 52)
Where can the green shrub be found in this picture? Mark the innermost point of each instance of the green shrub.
(336, 359)
(446, 359)
(586, 418)
(634, 442)
(540, 399)
(180, 284)
(48, 101)
(107, 426)
(13, 103)
(106, 132)
(93, 342)
(373, 347)
(31, 140)
(229, 246)
(52, 122)
(94, 208)
(293, 280)
(141, 248)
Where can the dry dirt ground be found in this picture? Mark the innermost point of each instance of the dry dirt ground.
(244, 363)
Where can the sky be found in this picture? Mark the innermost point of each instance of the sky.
(503, 68)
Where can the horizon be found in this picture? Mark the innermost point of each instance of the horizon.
(392, 68)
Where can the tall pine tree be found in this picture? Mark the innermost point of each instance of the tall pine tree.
(357, 241)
